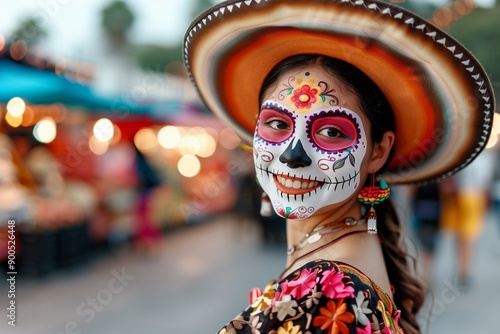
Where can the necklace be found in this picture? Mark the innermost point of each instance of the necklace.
(319, 248)
(318, 232)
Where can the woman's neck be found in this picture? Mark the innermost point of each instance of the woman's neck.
(335, 218)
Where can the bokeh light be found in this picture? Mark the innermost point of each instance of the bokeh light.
(117, 135)
(18, 50)
(45, 130)
(16, 107)
(28, 117)
(2, 42)
(145, 140)
(169, 137)
(208, 145)
(13, 121)
(228, 139)
(189, 145)
(97, 146)
(495, 131)
(103, 130)
(189, 165)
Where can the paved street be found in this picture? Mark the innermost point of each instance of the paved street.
(201, 278)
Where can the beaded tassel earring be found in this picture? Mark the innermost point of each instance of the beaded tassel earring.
(265, 206)
(372, 195)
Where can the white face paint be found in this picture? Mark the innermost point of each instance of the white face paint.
(308, 149)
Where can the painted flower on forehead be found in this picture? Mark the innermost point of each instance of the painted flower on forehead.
(304, 96)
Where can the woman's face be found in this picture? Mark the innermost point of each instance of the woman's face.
(310, 143)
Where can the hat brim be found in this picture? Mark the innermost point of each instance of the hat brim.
(441, 98)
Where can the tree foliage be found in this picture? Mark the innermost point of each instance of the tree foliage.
(117, 19)
(419, 7)
(29, 30)
(200, 6)
(480, 33)
(168, 58)
(159, 58)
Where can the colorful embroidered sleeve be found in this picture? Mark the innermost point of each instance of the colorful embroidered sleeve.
(321, 297)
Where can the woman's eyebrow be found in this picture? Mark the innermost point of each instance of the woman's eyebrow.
(273, 107)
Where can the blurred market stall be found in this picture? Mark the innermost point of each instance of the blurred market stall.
(92, 170)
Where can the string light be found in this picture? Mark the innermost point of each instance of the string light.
(454, 11)
(20, 51)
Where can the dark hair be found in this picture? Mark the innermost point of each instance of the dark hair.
(408, 292)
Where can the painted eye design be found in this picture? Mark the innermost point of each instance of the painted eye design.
(333, 133)
(275, 126)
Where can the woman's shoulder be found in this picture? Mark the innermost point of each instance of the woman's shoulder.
(337, 279)
(317, 296)
(326, 269)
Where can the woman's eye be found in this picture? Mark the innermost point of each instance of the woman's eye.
(332, 132)
(277, 125)
(274, 126)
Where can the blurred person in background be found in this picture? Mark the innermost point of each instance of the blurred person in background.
(334, 111)
(466, 201)
(426, 209)
(147, 232)
(495, 188)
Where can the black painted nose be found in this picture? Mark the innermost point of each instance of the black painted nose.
(295, 157)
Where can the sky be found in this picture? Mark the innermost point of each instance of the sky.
(73, 25)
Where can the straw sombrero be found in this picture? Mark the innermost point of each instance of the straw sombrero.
(441, 97)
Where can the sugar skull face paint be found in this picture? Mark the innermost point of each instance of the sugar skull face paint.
(308, 146)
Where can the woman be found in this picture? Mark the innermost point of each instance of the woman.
(339, 97)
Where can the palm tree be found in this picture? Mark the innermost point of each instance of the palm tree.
(28, 30)
(117, 19)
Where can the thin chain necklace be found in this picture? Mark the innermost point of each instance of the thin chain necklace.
(318, 232)
(319, 248)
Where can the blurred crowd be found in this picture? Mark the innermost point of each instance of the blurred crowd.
(459, 207)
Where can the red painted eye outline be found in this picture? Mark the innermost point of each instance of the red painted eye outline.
(275, 126)
(333, 133)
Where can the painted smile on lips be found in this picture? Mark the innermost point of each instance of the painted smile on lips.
(295, 186)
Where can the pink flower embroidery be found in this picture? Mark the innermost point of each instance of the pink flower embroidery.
(254, 294)
(300, 286)
(366, 330)
(304, 97)
(333, 287)
(397, 315)
(387, 330)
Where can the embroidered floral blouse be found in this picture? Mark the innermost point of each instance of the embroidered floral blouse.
(320, 297)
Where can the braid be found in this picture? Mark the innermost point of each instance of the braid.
(408, 291)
